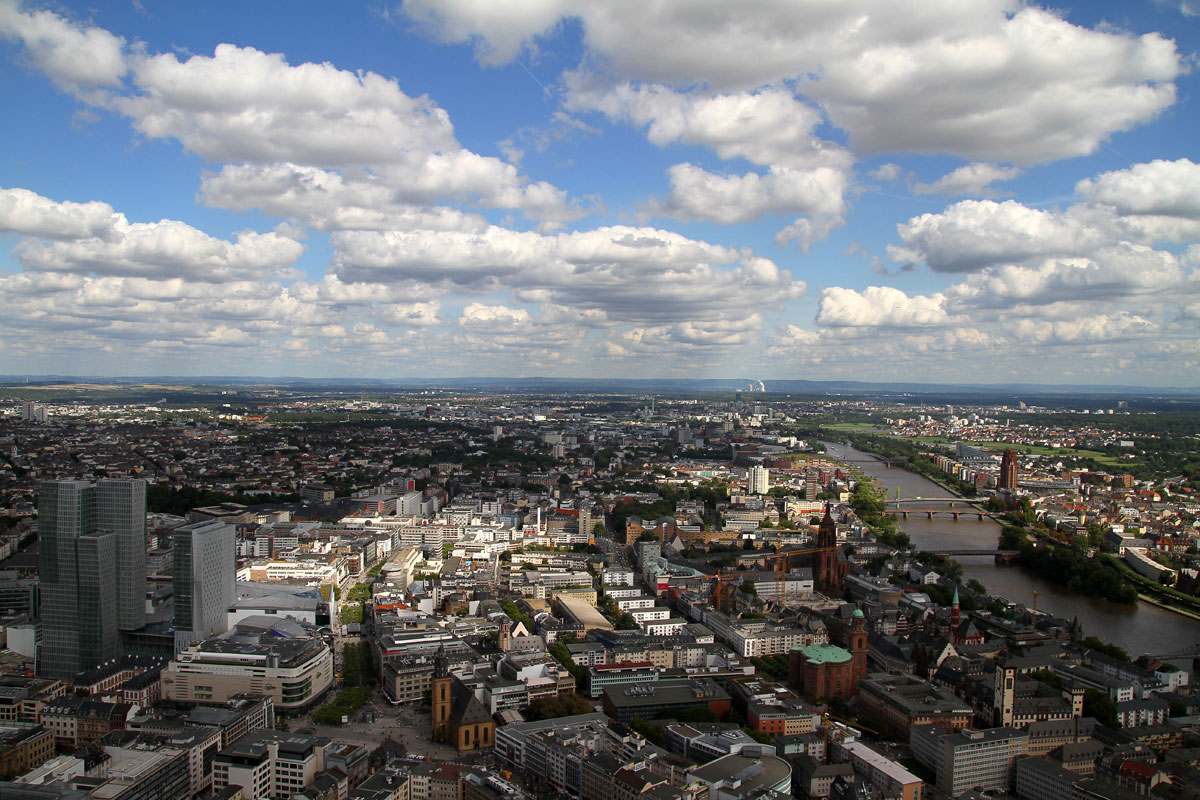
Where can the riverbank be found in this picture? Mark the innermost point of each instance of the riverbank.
(1174, 609)
(1138, 629)
(906, 455)
(1165, 597)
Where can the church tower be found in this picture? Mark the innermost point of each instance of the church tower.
(441, 697)
(827, 577)
(954, 618)
(858, 649)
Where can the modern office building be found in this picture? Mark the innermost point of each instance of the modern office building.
(969, 759)
(204, 580)
(121, 510)
(85, 531)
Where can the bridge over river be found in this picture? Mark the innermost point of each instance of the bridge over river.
(1001, 556)
(949, 507)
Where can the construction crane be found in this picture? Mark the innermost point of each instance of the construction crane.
(721, 595)
(1036, 594)
(780, 558)
(828, 716)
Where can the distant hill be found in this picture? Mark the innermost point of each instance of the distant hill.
(619, 385)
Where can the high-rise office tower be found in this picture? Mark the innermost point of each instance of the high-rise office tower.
(97, 598)
(1008, 470)
(121, 509)
(204, 580)
(83, 530)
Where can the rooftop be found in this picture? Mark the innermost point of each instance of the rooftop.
(825, 654)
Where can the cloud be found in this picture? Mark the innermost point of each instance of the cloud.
(880, 307)
(766, 127)
(806, 232)
(292, 126)
(1089, 330)
(1145, 204)
(993, 80)
(508, 26)
(697, 194)
(886, 172)
(326, 200)
(682, 344)
(1116, 272)
(632, 274)
(75, 57)
(30, 214)
(92, 238)
(972, 178)
(312, 120)
(1157, 188)
(972, 234)
(241, 104)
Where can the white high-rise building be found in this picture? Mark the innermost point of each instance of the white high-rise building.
(758, 480)
(204, 580)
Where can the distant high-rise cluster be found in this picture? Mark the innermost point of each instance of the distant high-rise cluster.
(1008, 470)
(85, 531)
(33, 412)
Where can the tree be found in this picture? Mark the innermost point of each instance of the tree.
(759, 736)
(566, 705)
(655, 734)
(1048, 677)
(749, 588)
(748, 544)
(598, 530)
(626, 622)
(1106, 648)
(1099, 705)
(701, 714)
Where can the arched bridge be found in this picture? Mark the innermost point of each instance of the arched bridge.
(1001, 556)
(880, 460)
(953, 507)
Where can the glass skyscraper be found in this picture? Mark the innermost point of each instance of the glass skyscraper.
(204, 580)
(91, 570)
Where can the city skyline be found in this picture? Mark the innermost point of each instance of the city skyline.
(990, 193)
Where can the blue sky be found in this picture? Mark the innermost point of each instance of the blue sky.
(935, 191)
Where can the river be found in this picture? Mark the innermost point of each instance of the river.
(1138, 629)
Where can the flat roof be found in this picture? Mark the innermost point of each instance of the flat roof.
(754, 773)
(878, 761)
(583, 612)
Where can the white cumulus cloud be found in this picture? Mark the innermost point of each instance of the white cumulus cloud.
(972, 178)
(74, 56)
